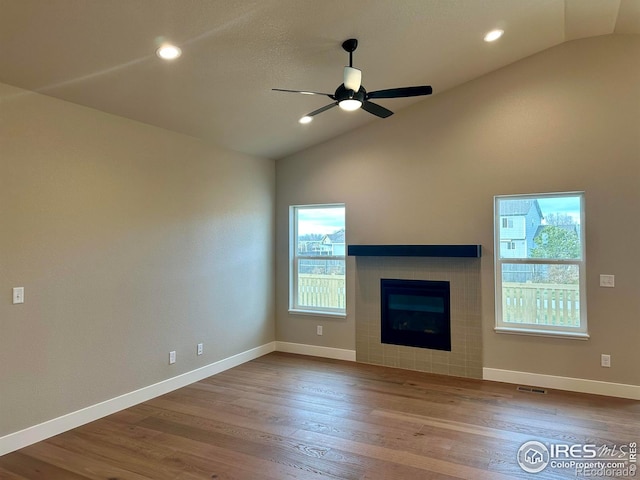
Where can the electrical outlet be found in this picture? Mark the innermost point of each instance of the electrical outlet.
(319, 329)
(172, 357)
(605, 360)
(200, 349)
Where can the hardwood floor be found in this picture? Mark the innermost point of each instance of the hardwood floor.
(286, 416)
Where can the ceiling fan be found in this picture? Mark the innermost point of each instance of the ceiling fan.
(351, 95)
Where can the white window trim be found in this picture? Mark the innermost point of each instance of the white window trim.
(294, 308)
(580, 333)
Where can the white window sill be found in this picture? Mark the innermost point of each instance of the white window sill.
(317, 313)
(542, 333)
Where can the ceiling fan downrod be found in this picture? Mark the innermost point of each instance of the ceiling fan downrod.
(350, 46)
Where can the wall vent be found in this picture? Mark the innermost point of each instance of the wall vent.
(531, 389)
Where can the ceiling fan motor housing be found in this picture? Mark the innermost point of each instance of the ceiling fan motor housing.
(343, 93)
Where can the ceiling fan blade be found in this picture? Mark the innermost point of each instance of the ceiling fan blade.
(401, 92)
(352, 78)
(303, 92)
(320, 110)
(376, 109)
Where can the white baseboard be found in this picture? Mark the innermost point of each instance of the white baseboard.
(316, 351)
(42, 431)
(563, 383)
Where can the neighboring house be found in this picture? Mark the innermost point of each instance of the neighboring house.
(519, 223)
(309, 247)
(330, 245)
(334, 243)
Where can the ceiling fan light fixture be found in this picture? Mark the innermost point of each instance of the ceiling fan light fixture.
(306, 119)
(493, 35)
(350, 104)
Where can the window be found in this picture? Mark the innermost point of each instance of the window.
(540, 285)
(317, 252)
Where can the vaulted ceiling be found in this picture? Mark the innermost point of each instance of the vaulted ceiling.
(101, 54)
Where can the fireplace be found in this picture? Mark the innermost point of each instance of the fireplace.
(416, 313)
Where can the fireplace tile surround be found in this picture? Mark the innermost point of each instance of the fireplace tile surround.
(465, 358)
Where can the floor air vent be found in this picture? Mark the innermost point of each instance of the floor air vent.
(531, 389)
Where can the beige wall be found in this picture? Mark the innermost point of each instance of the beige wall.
(131, 241)
(565, 119)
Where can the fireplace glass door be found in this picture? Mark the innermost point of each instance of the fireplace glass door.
(416, 313)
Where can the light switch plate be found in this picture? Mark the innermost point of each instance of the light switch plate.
(18, 295)
(607, 281)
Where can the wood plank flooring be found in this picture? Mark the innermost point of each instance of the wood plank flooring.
(286, 416)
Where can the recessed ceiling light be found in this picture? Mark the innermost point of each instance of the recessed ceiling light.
(305, 119)
(493, 35)
(168, 52)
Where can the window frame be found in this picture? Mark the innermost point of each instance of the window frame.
(501, 326)
(294, 260)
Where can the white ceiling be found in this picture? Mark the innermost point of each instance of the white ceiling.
(101, 53)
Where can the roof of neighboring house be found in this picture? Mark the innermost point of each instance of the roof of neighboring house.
(519, 207)
(336, 237)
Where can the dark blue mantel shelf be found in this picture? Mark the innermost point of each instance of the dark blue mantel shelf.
(467, 251)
